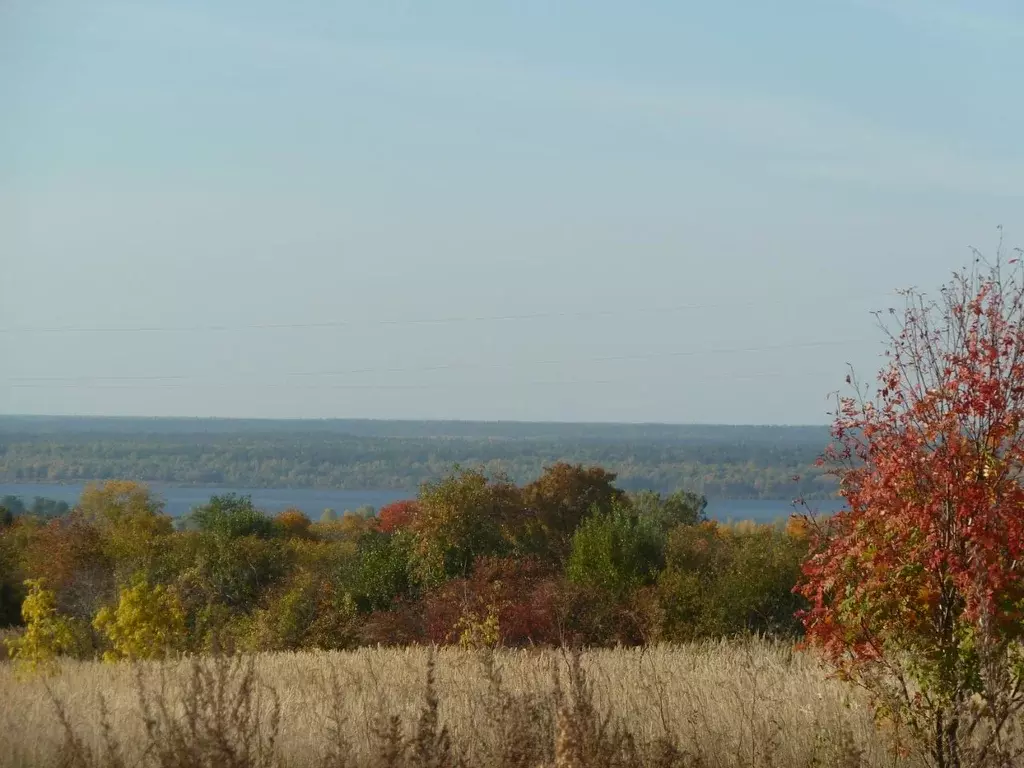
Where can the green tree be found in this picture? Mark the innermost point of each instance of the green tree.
(235, 571)
(328, 516)
(722, 580)
(615, 551)
(307, 611)
(385, 564)
(666, 512)
(12, 577)
(232, 516)
(13, 504)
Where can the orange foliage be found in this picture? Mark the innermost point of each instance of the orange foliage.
(397, 515)
(293, 522)
(69, 555)
(797, 527)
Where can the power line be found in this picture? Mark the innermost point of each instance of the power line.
(220, 328)
(402, 387)
(37, 381)
(597, 359)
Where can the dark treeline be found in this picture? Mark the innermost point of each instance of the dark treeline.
(716, 461)
(38, 507)
(508, 430)
(474, 559)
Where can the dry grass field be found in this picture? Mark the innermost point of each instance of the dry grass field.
(752, 704)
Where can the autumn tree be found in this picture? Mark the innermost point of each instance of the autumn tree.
(131, 524)
(117, 502)
(509, 601)
(464, 516)
(71, 556)
(915, 590)
(396, 515)
(47, 633)
(293, 522)
(559, 500)
(148, 622)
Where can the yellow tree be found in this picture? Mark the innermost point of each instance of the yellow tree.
(131, 523)
(293, 523)
(47, 634)
(147, 623)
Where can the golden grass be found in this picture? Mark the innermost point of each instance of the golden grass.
(753, 703)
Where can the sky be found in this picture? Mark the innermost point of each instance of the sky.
(570, 211)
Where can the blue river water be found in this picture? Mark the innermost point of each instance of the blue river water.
(178, 500)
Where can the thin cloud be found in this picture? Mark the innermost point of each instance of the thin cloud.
(960, 20)
(797, 137)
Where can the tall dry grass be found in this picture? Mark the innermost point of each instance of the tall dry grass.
(754, 703)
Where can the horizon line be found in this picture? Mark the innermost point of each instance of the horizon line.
(408, 420)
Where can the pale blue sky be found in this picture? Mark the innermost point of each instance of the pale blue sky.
(661, 211)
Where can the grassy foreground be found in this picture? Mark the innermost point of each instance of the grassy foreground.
(753, 703)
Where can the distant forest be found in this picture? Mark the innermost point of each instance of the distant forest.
(737, 462)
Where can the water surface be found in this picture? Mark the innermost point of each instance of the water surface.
(179, 499)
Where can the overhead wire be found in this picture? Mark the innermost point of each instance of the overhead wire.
(103, 382)
(355, 322)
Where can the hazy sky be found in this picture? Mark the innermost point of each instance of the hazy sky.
(660, 211)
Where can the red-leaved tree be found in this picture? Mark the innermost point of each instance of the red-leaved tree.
(915, 590)
(396, 516)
